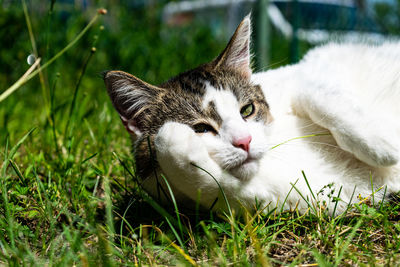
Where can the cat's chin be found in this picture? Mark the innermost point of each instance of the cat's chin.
(245, 171)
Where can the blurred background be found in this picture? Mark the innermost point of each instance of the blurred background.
(155, 40)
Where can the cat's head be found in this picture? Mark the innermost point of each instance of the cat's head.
(217, 100)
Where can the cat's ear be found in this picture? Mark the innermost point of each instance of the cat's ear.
(236, 55)
(130, 96)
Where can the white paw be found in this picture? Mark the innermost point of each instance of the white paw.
(183, 158)
(374, 144)
(179, 145)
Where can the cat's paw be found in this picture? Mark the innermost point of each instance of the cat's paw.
(374, 144)
(187, 165)
(185, 161)
(178, 145)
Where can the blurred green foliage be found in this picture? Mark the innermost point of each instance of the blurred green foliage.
(388, 16)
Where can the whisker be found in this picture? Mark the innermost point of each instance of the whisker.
(312, 123)
(322, 143)
(282, 158)
(311, 142)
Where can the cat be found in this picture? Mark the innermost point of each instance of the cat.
(320, 133)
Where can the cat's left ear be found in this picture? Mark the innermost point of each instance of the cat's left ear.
(130, 97)
(236, 55)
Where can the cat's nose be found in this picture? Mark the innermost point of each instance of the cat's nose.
(242, 142)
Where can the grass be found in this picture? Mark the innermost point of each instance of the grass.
(69, 194)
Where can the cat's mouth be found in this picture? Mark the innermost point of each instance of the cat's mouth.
(241, 164)
(246, 169)
(234, 161)
(248, 160)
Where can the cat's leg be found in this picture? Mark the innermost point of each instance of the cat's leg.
(187, 165)
(372, 138)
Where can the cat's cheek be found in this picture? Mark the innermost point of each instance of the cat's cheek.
(214, 146)
(259, 144)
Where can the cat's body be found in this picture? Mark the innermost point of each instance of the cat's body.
(350, 86)
(329, 122)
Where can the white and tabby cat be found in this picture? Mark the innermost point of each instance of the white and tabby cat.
(333, 116)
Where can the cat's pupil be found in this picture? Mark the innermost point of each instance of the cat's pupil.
(203, 128)
(247, 110)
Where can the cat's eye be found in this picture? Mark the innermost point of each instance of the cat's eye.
(247, 110)
(203, 128)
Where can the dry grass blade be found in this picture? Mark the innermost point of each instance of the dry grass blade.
(32, 73)
(20, 81)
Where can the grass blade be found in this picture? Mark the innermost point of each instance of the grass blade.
(16, 147)
(305, 200)
(308, 185)
(347, 242)
(175, 232)
(109, 207)
(337, 199)
(77, 86)
(34, 48)
(175, 205)
(300, 137)
(23, 79)
(220, 188)
(20, 81)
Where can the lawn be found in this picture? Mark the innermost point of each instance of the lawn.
(69, 193)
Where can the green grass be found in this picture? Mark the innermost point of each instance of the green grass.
(69, 194)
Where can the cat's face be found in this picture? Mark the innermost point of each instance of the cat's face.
(236, 132)
(217, 100)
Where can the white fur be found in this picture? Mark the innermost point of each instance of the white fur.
(348, 95)
(136, 97)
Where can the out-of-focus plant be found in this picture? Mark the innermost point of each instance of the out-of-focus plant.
(388, 16)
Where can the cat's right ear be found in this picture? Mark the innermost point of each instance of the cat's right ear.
(236, 55)
(130, 96)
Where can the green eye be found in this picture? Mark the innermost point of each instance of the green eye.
(203, 128)
(247, 110)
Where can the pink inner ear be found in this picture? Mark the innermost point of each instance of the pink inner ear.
(246, 72)
(242, 62)
(130, 126)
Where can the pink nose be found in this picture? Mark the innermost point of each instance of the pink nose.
(242, 142)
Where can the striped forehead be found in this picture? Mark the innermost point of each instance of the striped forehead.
(224, 102)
